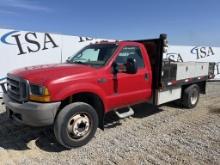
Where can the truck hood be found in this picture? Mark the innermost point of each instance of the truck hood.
(41, 73)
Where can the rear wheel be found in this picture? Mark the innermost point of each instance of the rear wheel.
(191, 96)
(75, 125)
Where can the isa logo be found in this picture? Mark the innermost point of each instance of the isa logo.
(202, 52)
(28, 42)
(175, 57)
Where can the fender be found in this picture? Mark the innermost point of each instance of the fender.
(80, 88)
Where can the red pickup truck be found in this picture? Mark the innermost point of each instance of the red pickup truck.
(102, 77)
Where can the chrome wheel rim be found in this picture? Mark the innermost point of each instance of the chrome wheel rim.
(78, 126)
(194, 97)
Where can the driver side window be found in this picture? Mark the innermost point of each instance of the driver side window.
(131, 52)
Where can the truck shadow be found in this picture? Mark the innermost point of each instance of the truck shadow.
(140, 111)
(145, 110)
(214, 109)
(19, 137)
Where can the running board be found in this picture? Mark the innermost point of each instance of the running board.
(121, 115)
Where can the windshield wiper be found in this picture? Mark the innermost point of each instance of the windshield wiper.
(79, 62)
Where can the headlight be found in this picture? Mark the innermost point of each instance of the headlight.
(39, 93)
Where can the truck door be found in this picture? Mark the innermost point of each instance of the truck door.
(132, 88)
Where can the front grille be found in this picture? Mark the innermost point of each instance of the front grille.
(17, 88)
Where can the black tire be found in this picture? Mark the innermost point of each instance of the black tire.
(190, 96)
(63, 123)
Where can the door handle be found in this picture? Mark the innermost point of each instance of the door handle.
(146, 77)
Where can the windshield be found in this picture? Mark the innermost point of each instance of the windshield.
(97, 54)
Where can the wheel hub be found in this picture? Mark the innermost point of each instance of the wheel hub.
(194, 97)
(78, 125)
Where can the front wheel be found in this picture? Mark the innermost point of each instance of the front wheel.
(75, 125)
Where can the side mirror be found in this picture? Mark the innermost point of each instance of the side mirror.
(130, 67)
(68, 59)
